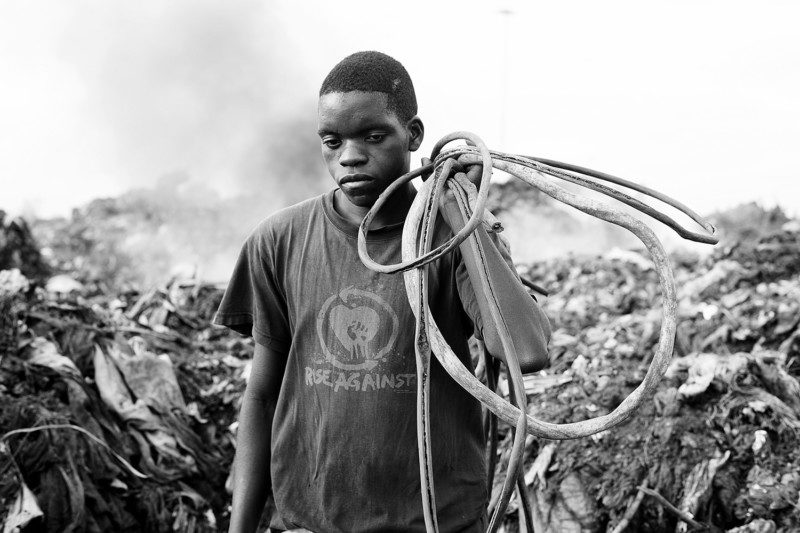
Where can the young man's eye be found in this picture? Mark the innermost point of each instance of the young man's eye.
(375, 137)
(331, 143)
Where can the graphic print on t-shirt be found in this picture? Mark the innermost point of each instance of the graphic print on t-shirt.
(357, 331)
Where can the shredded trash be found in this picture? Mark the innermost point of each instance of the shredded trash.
(719, 440)
(22, 511)
(105, 422)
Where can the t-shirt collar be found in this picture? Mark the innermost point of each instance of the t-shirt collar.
(383, 233)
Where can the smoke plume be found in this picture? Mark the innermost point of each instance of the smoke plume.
(205, 120)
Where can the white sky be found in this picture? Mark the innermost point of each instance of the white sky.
(698, 99)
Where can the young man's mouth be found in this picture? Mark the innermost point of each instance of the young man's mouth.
(357, 183)
(355, 179)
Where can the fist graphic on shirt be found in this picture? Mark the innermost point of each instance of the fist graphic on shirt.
(355, 327)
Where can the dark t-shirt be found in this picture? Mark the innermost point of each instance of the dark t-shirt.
(344, 442)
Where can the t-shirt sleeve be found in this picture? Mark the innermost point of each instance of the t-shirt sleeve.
(465, 289)
(253, 304)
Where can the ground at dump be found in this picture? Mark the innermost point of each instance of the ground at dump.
(119, 408)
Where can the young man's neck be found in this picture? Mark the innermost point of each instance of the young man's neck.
(392, 212)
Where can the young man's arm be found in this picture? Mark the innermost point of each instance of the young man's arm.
(252, 462)
(527, 323)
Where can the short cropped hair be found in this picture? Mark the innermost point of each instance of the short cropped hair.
(374, 72)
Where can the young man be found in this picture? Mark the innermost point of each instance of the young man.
(329, 409)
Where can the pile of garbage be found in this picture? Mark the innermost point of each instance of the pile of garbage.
(716, 448)
(117, 410)
(119, 405)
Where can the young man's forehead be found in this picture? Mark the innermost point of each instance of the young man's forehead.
(354, 109)
(354, 101)
(371, 95)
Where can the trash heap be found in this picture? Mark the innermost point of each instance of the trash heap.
(119, 406)
(717, 445)
(117, 409)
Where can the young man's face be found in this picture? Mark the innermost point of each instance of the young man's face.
(365, 145)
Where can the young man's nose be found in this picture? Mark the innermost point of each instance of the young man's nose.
(352, 155)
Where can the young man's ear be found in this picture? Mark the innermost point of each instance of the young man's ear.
(417, 130)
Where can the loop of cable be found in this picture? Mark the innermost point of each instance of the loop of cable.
(417, 253)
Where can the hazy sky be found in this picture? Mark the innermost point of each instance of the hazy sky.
(697, 99)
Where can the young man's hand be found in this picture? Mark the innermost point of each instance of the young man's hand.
(472, 171)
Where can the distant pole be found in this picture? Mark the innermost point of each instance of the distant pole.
(505, 13)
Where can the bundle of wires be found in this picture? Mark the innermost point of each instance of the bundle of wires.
(417, 252)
